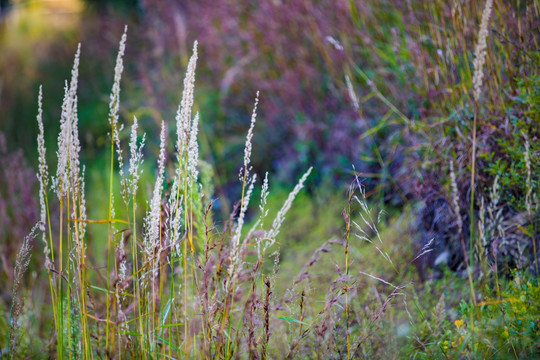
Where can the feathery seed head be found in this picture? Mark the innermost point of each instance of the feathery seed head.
(174, 216)
(494, 200)
(135, 161)
(75, 73)
(262, 208)
(193, 150)
(43, 178)
(455, 197)
(114, 104)
(280, 217)
(183, 114)
(233, 267)
(162, 147)
(68, 148)
(153, 217)
(43, 169)
(352, 94)
(249, 137)
(75, 148)
(21, 264)
(82, 205)
(480, 51)
(63, 146)
(264, 195)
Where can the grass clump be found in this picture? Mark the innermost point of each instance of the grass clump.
(174, 284)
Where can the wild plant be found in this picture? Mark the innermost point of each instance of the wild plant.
(176, 285)
(21, 264)
(151, 305)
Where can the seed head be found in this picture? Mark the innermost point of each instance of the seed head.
(183, 114)
(480, 51)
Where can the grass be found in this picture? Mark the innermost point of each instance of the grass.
(147, 268)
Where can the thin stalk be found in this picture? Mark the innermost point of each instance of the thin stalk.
(60, 328)
(186, 217)
(136, 271)
(86, 348)
(471, 228)
(68, 223)
(107, 300)
(53, 291)
(471, 210)
(233, 278)
(348, 231)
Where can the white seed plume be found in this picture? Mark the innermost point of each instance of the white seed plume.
(494, 212)
(280, 217)
(122, 270)
(135, 162)
(264, 198)
(480, 51)
(245, 204)
(82, 205)
(245, 179)
(121, 284)
(60, 182)
(43, 169)
(482, 223)
(114, 104)
(183, 114)
(237, 263)
(263, 210)
(174, 217)
(75, 148)
(79, 212)
(74, 145)
(67, 148)
(153, 218)
(455, 197)
(43, 178)
(239, 225)
(352, 94)
(193, 151)
(335, 43)
(249, 137)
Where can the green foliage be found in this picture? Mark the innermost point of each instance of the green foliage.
(497, 328)
(507, 327)
(507, 159)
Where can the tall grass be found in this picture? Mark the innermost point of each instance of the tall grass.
(177, 283)
(181, 288)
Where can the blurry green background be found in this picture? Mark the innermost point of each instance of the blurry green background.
(409, 65)
(296, 60)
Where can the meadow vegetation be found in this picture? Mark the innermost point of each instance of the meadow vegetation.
(395, 215)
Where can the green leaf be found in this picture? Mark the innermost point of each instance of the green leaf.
(291, 320)
(130, 333)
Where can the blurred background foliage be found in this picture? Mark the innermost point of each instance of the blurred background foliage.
(298, 63)
(405, 115)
